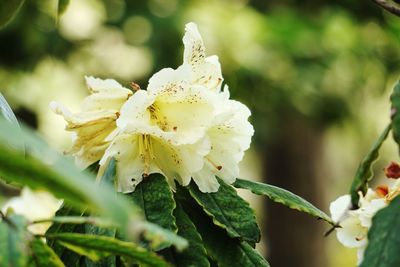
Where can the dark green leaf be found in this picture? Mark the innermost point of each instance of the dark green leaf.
(101, 246)
(195, 254)
(282, 196)
(96, 230)
(43, 255)
(13, 241)
(8, 9)
(62, 6)
(227, 251)
(384, 238)
(228, 211)
(364, 172)
(153, 195)
(149, 195)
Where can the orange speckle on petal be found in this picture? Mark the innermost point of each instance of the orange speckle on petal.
(382, 190)
(393, 170)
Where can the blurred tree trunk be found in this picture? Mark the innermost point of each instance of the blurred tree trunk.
(291, 162)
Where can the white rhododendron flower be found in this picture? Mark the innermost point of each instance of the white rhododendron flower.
(354, 224)
(182, 126)
(34, 205)
(95, 125)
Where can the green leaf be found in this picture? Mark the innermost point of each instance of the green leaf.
(226, 251)
(43, 255)
(195, 254)
(282, 196)
(104, 246)
(384, 238)
(62, 6)
(229, 211)
(364, 172)
(6, 111)
(13, 241)
(148, 195)
(159, 237)
(45, 168)
(110, 232)
(8, 10)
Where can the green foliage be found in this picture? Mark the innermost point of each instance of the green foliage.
(149, 194)
(97, 247)
(228, 211)
(13, 241)
(223, 249)
(195, 254)
(62, 6)
(282, 196)
(43, 255)
(364, 172)
(8, 9)
(384, 238)
(395, 99)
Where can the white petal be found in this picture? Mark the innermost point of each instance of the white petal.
(194, 48)
(339, 207)
(352, 234)
(97, 85)
(206, 181)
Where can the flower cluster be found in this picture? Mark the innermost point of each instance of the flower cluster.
(183, 125)
(354, 224)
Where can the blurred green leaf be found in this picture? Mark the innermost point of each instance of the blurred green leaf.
(226, 251)
(43, 255)
(14, 239)
(229, 211)
(45, 168)
(96, 230)
(97, 247)
(8, 9)
(384, 238)
(62, 6)
(364, 172)
(395, 99)
(282, 196)
(148, 195)
(195, 254)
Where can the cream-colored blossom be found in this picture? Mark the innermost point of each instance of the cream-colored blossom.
(94, 127)
(182, 126)
(355, 224)
(34, 205)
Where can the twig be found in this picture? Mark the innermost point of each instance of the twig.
(392, 8)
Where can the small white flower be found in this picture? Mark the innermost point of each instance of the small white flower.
(94, 127)
(354, 224)
(34, 205)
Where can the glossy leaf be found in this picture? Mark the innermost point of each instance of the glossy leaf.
(224, 250)
(282, 196)
(8, 10)
(102, 246)
(384, 238)
(43, 255)
(364, 172)
(229, 211)
(195, 254)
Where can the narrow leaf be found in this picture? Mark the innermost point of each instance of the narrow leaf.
(43, 255)
(62, 6)
(8, 9)
(13, 241)
(226, 251)
(96, 230)
(229, 211)
(364, 172)
(110, 246)
(284, 197)
(384, 238)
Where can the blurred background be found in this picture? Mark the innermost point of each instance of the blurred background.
(317, 76)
